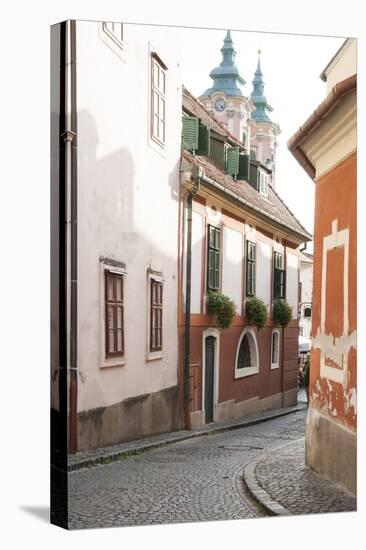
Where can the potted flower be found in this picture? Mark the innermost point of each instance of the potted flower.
(256, 312)
(222, 307)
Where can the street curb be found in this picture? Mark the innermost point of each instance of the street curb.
(260, 494)
(141, 448)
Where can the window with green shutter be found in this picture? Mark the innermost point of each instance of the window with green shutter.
(190, 132)
(213, 257)
(232, 161)
(217, 149)
(279, 277)
(253, 175)
(243, 173)
(204, 141)
(250, 271)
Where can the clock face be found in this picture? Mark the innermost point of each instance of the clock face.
(220, 105)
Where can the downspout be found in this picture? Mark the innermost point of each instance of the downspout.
(68, 225)
(197, 172)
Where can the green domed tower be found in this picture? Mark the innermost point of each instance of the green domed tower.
(263, 131)
(225, 98)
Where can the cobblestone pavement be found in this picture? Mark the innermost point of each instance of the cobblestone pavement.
(283, 475)
(194, 480)
(105, 455)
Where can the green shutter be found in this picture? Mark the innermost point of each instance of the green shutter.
(217, 151)
(232, 160)
(253, 175)
(243, 167)
(213, 258)
(204, 140)
(190, 132)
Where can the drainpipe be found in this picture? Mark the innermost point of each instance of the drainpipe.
(68, 224)
(197, 174)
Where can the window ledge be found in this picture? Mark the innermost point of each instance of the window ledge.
(118, 362)
(160, 149)
(275, 366)
(248, 371)
(154, 355)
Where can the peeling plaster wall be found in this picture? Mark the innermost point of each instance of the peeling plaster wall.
(332, 418)
(334, 338)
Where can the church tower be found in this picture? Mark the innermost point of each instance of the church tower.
(263, 131)
(225, 98)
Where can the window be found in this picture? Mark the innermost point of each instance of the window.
(244, 354)
(213, 258)
(275, 349)
(262, 183)
(247, 358)
(158, 100)
(250, 271)
(114, 30)
(279, 278)
(253, 154)
(156, 315)
(244, 138)
(307, 312)
(114, 315)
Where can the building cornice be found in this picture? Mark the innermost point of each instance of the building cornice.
(339, 91)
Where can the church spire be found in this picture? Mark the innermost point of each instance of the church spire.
(260, 114)
(226, 77)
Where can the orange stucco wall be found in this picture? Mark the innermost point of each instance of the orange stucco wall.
(335, 199)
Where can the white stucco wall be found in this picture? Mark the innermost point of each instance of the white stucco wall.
(264, 269)
(344, 64)
(127, 206)
(232, 265)
(292, 282)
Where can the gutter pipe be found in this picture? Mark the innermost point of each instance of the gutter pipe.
(321, 112)
(68, 232)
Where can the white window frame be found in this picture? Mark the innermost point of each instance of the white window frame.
(253, 344)
(262, 183)
(276, 364)
(114, 30)
(106, 362)
(158, 277)
(161, 93)
(113, 39)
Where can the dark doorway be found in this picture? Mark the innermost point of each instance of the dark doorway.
(209, 378)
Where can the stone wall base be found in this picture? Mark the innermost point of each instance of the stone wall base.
(130, 419)
(331, 449)
(231, 409)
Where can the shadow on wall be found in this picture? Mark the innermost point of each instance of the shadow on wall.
(107, 197)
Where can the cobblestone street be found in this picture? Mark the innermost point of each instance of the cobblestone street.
(194, 480)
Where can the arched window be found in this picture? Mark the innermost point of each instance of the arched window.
(247, 359)
(244, 354)
(275, 349)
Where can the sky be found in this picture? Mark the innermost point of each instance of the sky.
(291, 65)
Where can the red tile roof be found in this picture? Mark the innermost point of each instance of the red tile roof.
(273, 208)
